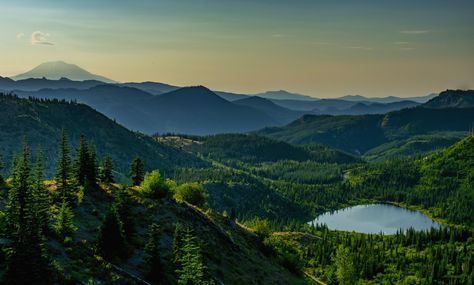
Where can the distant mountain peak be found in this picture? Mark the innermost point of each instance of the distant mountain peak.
(285, 95)
(60, 70)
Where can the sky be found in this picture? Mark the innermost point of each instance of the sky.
(314, 47)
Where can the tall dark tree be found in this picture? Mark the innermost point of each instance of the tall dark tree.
(41, 194)
(137, 171)
(64, 167)
(92, 168)
(106, 175)
(81, 162)
(152, 248)
(27, 262)
(112, 244)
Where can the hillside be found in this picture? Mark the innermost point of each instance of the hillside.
(41, 121)
(359, 134)
(442, 182)
(228, 252)
(198, 110)
(278, 113)
(254, 149)
(452, 99)
(61, 69)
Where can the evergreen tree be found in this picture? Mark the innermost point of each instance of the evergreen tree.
(64, 168)
(191, 269)
(41, 194)
(64, 221)
(345, 271)
(122, 204)
(177, 243)
(112, 244)
(152, 248)
(81, 162)
(27, 262)
(137, 171)
(106, 175)
(92, 167)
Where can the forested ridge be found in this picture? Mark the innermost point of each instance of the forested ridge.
(230, 209)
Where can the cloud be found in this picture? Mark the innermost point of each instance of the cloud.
(20, 35)
(414, 32)
(278, 36)
(40, 38)
(401, 43)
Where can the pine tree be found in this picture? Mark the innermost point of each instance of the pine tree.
(345, 272)
(81, 162)
(122, 204)
(64, 168)
(106, 175)
(191, 269)
(152, 248)
(112, 244)
(64, 221)
(177, 244)
(92, 167)
(27, 262)
(137, 171)
(41, 194)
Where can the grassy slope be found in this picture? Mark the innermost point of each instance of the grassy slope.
(231, 253)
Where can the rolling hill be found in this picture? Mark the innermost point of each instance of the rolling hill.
(278, 113)
(40, 122)
(359, 134)
(198, 110)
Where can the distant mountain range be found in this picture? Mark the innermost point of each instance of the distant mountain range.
(360, 134)
(154, 107)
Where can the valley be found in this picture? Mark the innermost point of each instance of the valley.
(255, 194)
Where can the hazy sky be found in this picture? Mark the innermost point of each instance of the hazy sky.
(319, 48)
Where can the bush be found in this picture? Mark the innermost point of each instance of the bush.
(193, 193)
(154, 186)
(261, 227)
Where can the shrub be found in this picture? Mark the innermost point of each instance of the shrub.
(193, 193)
(154, 186)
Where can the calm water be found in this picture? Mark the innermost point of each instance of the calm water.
(375, 218)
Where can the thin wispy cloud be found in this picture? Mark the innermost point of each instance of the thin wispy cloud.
(414, 32)
(40, 38)
(278, 35)
(20, 35)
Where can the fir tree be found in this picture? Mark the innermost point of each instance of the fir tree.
(106, 175)
(112, 244)
(64, 168)
(41, 194)
(81, 162)
(137, 171)
(91, 167)
(27, 262)
(64, 221)
(191, 269)
(152, 248)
